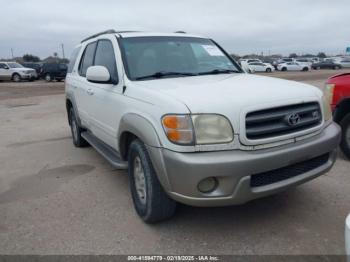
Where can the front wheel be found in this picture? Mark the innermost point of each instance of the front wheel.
(345, 141)
(305, 69)
(16, 78)
(76, 130)
(284, 69)
(48, 78)
(151, 203)
(268, 70)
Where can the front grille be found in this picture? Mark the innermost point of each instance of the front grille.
(282, 120)
(284, 173)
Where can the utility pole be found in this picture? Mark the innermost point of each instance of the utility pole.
(62, 46)
(11, 52)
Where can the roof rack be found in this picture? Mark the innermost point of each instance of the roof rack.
(110, 31)
(180, 32)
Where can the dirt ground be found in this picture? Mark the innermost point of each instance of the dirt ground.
(58, 199)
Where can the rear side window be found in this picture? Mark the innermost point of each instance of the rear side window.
(87, 59)
(73, 58)
(105, 57)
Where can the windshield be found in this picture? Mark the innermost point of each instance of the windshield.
(155, 57)
(14, 65)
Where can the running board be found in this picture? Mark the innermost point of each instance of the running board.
(106, 151)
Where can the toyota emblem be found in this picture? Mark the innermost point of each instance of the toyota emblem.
(293, 119)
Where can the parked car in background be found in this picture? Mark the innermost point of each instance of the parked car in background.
(303, 61)
(326, 64)
(16, 72)
(189, 125)
(347, 236)
(53, 71)
(345, 63)
(293, 66)
(337, 90)
(35, 66)
(260, 67)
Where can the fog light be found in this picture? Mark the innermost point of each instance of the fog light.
(208, 185)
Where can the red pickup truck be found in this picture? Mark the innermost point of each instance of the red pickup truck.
(338, 94)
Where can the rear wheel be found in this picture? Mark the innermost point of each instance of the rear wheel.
(305, 69)
(284, 69)
(48, 78)
(345, 141)
(268, 70)
(76, 130)
(151, 202)
(336, 67)
(16, 78)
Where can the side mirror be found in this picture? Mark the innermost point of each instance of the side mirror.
(98, 74)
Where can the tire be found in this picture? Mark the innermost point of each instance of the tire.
(345, 141)
(58, 80)
(305, 69)
(76, 130)
(151, 202)
(336, 68)
(318, 68)
(48, 78)
(284, 69)
(268, 70)
(16, 78)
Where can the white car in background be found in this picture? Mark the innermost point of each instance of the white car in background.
(16, 72)
(347, 236)
(303, 61)
(260, 67)
(293, 66)
(345, 63)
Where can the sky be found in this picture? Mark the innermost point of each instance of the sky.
(39, 27)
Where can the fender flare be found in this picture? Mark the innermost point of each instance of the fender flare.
(140, 127)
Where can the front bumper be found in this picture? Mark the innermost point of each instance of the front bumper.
(29, 76)
(180, 173)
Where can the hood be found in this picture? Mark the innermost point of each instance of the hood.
(215, 93)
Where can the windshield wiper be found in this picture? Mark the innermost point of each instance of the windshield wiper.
(161, 74)
(218, 71)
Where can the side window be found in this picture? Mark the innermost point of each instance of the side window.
(87, 59)
(2, 65)
(105, 57)
(73, 58)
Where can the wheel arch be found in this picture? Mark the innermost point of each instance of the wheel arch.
(70, 103)
(342, 109)
(134, 126)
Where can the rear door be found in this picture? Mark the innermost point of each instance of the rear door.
(5, 72)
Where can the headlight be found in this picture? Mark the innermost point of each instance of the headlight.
(327, 111)
(203, 129)
(212, 129)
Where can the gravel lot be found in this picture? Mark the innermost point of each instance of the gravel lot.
(57, 199)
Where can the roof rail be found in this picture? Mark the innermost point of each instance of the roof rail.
(180, 32)
(110, 31)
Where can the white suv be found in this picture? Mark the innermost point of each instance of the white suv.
(16, 72)
(189, 125)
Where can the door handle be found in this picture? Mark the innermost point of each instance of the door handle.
(90, 92)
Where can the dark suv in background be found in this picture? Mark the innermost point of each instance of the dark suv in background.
(53, 71)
